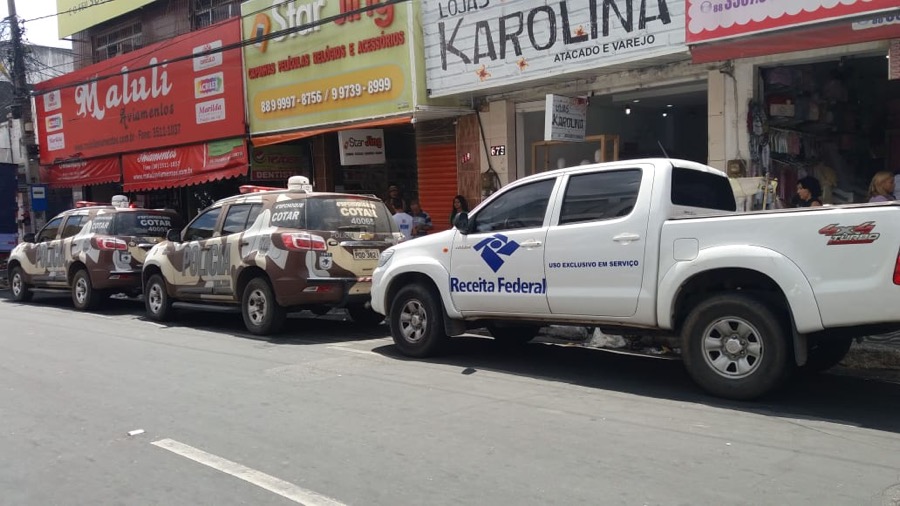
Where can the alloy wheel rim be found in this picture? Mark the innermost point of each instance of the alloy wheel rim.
(81, 290)
(154, 298)
(413, 321)
(256, 306)
(17, 284)
(732, 347)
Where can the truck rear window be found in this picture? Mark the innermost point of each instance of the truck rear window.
(145, 223)
(694, 188)
(332, 214)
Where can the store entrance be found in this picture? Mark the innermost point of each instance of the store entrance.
(837, 121)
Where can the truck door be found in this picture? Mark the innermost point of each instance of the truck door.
(47, 253)
(595, 254)
(192, 279)
(499, 266)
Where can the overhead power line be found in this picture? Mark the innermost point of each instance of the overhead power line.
(229, 47)
(73, 9)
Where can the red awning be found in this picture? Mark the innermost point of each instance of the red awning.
(185, 165)
(82, 172)
(800, 39)
(267, 140)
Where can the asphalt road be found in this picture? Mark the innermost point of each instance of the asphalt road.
(329, 410)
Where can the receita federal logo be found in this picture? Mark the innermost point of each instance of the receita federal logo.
(494, 248)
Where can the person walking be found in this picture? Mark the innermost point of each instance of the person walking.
(421, 219)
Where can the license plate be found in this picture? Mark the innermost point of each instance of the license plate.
(366, 254)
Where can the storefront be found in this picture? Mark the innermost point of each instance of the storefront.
(348, 91)
(617, 73)
(166, 129)
(814, 95)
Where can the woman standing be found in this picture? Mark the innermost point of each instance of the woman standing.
(881, 189)
(460, 205)
(809, 192)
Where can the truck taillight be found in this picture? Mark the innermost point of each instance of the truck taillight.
(897, 270)
(303, 241)
(109, 244)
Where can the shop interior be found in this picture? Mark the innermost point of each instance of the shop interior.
(838, 121)
(399, 168)
(664, 121)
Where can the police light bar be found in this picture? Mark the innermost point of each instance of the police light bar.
(252, 188)
(300, 183)
(119, 201)
(87, 203)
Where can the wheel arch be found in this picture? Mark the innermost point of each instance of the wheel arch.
(246, 275)
(74, 267)
(409, 278)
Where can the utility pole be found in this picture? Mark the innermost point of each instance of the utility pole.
(21, 110)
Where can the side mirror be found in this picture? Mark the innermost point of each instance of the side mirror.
(462, 222)
(173, 235)
(29, 237)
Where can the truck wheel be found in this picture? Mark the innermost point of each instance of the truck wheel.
(417, 322)
(364, 315)
(825, 354)
(84, 296)
(513, 335)
(21, 291)
(262, 314)
(736, 347)
(156, 300)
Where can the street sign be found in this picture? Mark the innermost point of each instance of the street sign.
(39, 198)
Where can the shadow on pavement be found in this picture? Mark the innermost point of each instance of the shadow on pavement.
(849, 400)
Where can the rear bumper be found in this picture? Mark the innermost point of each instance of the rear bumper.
(337, 292)
(116, 280)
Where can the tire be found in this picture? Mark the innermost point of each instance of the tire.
(84, 296)
(513, 335)
(156, 299)
(261, 312)
(825, 354)
(21, 291)
(736, 347)
(417, 322)
(364, 315)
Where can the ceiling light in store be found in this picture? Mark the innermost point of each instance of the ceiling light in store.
(628, 110)
(665, 114)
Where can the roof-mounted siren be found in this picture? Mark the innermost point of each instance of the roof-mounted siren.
(86, 203)
(120, 202)
(299, 183)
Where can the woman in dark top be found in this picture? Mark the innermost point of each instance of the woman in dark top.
(459, 206)
(809, 192)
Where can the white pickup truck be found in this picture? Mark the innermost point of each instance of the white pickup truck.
(653, 247)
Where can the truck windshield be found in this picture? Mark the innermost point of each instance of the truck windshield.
(694, 188)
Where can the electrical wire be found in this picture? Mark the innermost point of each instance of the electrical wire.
(73, 9)
(238, 45)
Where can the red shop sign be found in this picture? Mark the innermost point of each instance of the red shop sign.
(82, 172)
(709, 20)
(86, 114)
(185, 165)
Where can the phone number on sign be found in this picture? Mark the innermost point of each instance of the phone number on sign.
(727, 5)
(337, 93)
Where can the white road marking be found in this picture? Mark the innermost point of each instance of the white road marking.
(352, 350)
(277, 486)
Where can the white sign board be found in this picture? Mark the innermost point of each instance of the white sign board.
(565, 118)
(361, 147)
(474, 46)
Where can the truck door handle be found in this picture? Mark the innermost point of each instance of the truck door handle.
(531, 243)
(627, 238)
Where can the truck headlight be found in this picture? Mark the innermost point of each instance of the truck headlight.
(385, 257)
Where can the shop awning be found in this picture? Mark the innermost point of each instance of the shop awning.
(185, 165)
(268, 140)
(799, 39)
(82, 172)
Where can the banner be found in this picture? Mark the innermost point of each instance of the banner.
(280, 162)
(361, 147)
(476, 46)
(82, 172)
(565, 118)
(77, 15)
(162, 101)
(184, 165)
(709, 20)
(353, 67)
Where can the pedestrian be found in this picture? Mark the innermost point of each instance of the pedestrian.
(881, 189)
(460, 205)
(404, 222)
(394, 200)
(421, 219)
(809, 192)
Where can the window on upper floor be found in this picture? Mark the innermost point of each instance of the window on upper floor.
(210, 12)
(119, 40)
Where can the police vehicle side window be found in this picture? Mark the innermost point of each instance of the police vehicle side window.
(203, 226)
(600, 196)
(73, 225)
(238, 218)
(48, 233)
(522, 207)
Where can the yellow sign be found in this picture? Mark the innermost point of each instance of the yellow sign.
(357, 65)
(77, 15)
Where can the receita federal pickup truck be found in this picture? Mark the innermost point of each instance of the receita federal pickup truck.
(653, 247)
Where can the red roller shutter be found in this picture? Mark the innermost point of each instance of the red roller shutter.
(436, 160)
